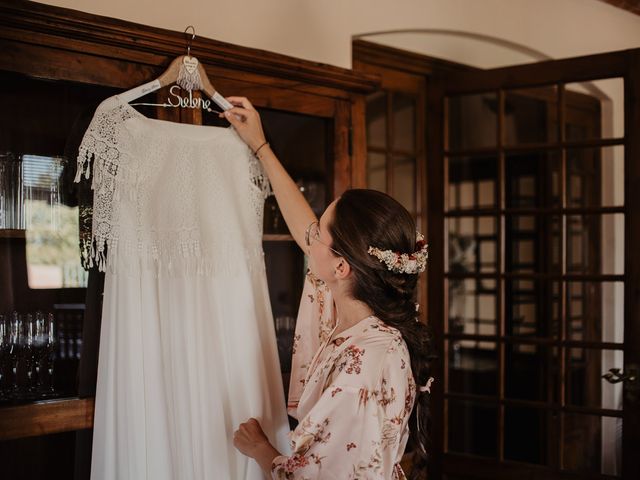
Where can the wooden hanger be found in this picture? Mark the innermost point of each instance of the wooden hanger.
(170, 75)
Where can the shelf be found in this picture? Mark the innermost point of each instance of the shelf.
(11, 233)
(276, 237)
(43, 418)
(55, 416)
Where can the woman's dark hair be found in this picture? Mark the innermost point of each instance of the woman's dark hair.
(366, 218)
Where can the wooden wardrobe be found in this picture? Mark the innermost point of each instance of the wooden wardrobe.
(56, 65)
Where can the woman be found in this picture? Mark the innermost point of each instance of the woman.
(357, 391)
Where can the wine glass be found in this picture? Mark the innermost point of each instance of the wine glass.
(4, 356)
(15, 345)
(28, 354)
(50, 349)
(285, 327)
(39, 349)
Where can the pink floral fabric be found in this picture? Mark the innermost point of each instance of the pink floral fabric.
(351, 393)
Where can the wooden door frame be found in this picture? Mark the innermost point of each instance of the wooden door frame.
(400, 70)
(625, 64)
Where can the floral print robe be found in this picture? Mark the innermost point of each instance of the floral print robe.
(352, 395)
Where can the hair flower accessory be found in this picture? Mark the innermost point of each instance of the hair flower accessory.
(410, 263)
(427, 386)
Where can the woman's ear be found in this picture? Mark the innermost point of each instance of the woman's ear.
(342, 269)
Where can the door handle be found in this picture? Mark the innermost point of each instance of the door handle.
(615, 375)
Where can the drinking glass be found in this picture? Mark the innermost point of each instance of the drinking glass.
(27, 356)
(4, 357)
(50, 351)
(15, 346)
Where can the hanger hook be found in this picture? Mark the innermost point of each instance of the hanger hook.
(189, 40)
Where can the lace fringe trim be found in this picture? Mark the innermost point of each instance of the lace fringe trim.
(184, 259)
(259, 177)
(109, 179)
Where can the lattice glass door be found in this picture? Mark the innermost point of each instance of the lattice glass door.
(539, 268)
(395, 144)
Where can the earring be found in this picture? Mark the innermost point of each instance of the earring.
(189, 75)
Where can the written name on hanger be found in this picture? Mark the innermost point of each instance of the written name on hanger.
(175, 100)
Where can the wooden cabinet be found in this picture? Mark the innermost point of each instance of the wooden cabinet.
(58, 64)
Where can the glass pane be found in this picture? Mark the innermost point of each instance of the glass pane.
(404, 182)
(273, 220)
(595, 244)
(532, 447)
(595, 311)
(595, 177)
(472, 244)
(292, 134)
(533, 243)
(594, 109)
(472, 428)
(533, 180)
(531, 115)
(41, 123)
(32, 208)
(585, 385)
(529, 372)
(533, 308)
(473, 367)
(472, 121)
(404, 122)
(472, 306)
(377, 120)
(592, 444)
(472, 182)
(284, 266)
(12, 208)
(377, 171)
(300, 142)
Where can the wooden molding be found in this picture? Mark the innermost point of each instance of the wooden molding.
(128, 41)
(12, 233)
(42, 418)
(576, 69)
(277, 237)
(402, 60)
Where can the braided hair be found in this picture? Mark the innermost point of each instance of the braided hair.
(368, 217)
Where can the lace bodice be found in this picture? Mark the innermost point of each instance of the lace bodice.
(168, 195)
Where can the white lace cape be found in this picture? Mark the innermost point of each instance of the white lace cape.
(105, 145)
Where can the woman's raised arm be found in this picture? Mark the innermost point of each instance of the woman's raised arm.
(294, 207)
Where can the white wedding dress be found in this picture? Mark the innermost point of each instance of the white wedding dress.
(187, 347)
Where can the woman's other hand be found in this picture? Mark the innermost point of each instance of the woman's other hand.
(251, 440)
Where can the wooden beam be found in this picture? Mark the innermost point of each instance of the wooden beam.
(365, 52)
(579, 69)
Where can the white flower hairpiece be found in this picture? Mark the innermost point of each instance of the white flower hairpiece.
(410, 263)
